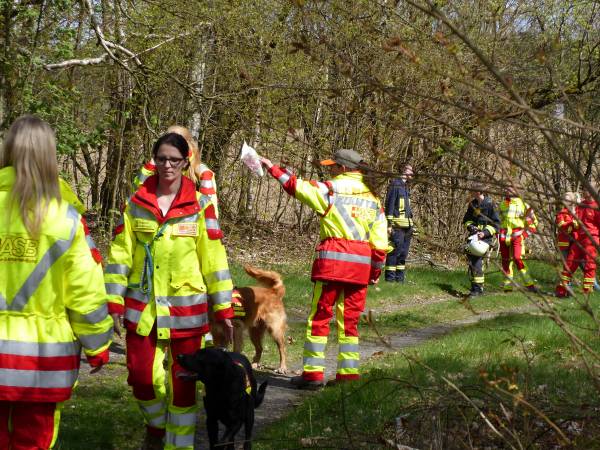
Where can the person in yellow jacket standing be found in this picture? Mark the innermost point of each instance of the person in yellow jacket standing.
(517, 222)
(166, 262)
(52, 297)
(351, 255)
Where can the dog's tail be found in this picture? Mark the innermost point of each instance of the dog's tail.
(267, 278)
(260, 394)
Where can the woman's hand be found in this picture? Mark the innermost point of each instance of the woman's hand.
(117, 323)
(266, 162)
(228, 330)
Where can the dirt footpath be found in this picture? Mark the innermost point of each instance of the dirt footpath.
(281, 398)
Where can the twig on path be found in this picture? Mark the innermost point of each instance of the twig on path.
(371, 322)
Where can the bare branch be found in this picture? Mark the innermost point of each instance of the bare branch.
(76, 62)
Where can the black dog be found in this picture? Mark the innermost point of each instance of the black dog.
(231, 393)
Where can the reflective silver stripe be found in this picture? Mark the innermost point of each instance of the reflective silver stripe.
(348, 347)
(117, 269)
(204, 201)
(517, 233)
(206, 184)
(182, 420)
(90, 241)
(115, 289)
(314, 347)
(348, 364)
(219, 275)
(179, 440)
(312, 361)
(378, 265)
(94, 341)
(39, 272)
(221, 297)
(44, 349)
(39, 378)
(181, 300)
(133, 315)
(192, 218)
(338, 256)
(212, 224)
(152, 409)
(156, 422)
(92, 317)
(142, 176)
(136, 294)
(323, 188)
(283, 178)
(138, 212)
(351, 224)
(178, 322)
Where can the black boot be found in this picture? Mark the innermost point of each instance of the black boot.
(476, 290)
(400, 276)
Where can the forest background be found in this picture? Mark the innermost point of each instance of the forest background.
(462, 90)
(488, 90)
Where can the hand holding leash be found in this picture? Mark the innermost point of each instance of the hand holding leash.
(117, 323)
(229, 330)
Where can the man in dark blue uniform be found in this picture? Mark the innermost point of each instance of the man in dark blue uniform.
(400, 225)
(483, 220)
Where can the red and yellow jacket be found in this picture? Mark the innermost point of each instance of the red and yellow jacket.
(566, 226)
(517, 219)
(588, 217)
(164, 269)
(52, 302)
(353, 227)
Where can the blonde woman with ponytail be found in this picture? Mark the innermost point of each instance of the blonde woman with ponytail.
(52, 296)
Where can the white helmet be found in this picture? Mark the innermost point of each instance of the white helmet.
(476, 247)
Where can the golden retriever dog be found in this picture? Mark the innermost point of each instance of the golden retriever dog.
(264, 311)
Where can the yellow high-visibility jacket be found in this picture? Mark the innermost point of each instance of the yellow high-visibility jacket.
(52, 301)
(353, 227)
(163, 269)
(517, 215)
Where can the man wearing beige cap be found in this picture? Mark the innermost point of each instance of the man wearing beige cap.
(350, 255)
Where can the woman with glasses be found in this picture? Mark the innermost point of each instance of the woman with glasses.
(166, 264)
(198, 172)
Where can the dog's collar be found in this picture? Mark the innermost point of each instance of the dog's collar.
(248, 385)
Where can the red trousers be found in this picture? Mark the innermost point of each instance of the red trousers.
(148, 378)
(349, 301)
(512, 251)
(28, 425)
(582, 253)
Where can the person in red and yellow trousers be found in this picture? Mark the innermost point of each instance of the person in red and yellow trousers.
(52, 297)
(566, 225)
(351, 255)
(583, 251)
(166, 262)
(517, 222)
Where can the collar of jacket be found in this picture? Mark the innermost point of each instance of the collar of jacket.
(7, 178)
(354, 175)
(185, 202)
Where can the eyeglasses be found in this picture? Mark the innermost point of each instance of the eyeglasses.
(162, 161)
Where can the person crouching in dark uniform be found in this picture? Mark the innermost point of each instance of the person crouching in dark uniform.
(483, 220)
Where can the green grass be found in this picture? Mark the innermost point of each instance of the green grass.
(103, 415)
(526, 355)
